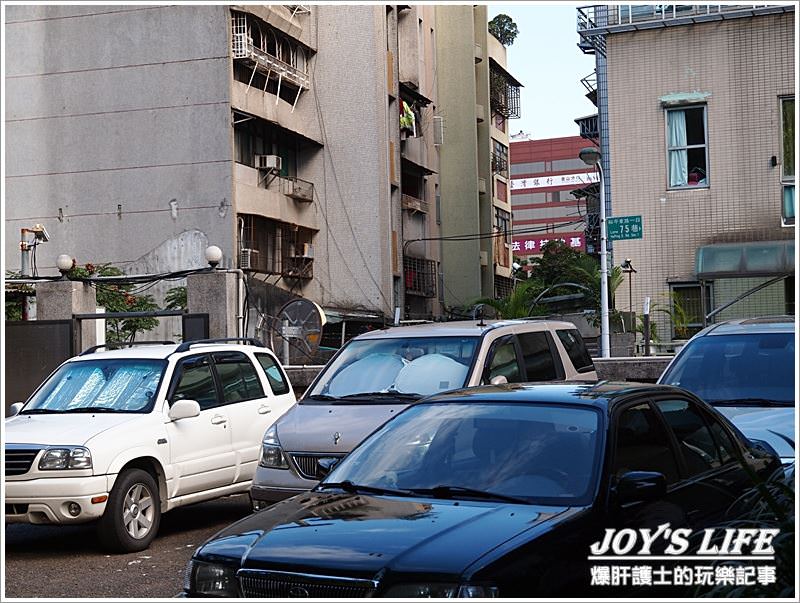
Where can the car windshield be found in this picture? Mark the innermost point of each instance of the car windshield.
(119, 385)
(410, 366)
(746, 368)
(539, 453)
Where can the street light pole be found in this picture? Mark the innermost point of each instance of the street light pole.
(591, 156)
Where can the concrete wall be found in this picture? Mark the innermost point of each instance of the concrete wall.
(745, 65)
(458, 155)
(117, 131)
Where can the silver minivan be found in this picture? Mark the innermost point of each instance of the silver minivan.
(376, 375)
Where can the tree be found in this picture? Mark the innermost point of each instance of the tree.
(176, 299)
(504, 29)
(517, 303)
(118, 298)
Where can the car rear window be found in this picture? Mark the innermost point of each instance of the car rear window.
(576, 349)
(739, 367)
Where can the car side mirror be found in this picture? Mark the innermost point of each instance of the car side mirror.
(641, 486)
(499, 380)
(14, 409)
(184, 409)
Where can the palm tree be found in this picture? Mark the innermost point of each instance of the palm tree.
(517, 303)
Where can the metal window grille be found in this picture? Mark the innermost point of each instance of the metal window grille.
(503, 286)
(503, 94)
(420, 276)
(276, 247)
(499, 164)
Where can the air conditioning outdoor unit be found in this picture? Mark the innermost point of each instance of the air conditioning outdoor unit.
(246, 259)
(268, 162)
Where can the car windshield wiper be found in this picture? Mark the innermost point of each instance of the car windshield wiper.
(95, 409)
(349, 486)
(460, 491)
(384, 394)
(40, 411)
(752, 402)
(322, 397)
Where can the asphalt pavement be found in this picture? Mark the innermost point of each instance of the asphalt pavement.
(47, 561)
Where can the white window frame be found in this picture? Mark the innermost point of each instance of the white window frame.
(786, 181)
(667, 111)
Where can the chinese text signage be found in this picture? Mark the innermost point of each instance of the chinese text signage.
(624, 227)
(548, 181)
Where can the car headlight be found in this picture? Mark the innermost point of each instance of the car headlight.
(210, 579)
(271, 453)
(74, 457)
(442, 590)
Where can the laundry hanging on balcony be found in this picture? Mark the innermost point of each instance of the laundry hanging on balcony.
(408, 121)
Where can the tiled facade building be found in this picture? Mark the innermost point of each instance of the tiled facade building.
(697, 108)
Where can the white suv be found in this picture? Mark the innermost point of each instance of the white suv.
(122, 436)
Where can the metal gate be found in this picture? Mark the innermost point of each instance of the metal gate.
(33, 350)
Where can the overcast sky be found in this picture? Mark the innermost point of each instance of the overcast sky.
(545, 58)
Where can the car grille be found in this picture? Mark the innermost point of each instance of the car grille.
(308, 466)
(262, 583)
(19, 460)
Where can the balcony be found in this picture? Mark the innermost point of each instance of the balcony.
(420, 276)
(275, 247)
(590, 83)
(414, 204)
(589, 126)
(503, 92)
(300, 190)
(288, 68)
(597, 20)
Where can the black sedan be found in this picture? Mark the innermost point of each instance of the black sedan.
(490, 492)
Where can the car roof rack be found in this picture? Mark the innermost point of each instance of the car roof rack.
(186, 345)
(122, 344)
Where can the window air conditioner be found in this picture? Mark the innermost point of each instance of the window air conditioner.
(246, 259)
(268, 162)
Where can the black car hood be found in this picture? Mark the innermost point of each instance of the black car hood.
(358, 535)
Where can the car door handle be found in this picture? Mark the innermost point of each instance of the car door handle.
(218, 420)
(263, 410)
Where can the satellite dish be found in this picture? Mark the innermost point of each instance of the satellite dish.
(297, 331)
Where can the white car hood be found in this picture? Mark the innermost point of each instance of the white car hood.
(68, 429)
(772, 425)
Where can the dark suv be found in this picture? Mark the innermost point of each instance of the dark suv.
(745, 368)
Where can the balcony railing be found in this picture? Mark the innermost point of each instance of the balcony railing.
(504, 94)
(590, 127)
(597, 20)
(414, 204)
(420, 276)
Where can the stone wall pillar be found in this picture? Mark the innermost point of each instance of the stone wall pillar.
(60, 300)
(215, 293)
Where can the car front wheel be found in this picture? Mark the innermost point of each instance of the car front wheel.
(133, 513)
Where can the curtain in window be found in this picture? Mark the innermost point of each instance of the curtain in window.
(678, 159)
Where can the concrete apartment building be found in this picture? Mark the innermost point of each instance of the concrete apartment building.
(545, 175)
(696, 111)
(477, 97)
(139, 135)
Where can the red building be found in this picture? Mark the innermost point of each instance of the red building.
(544, 174)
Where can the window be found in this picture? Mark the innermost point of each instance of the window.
(539, 365)
(687, 153)
(787, 163)
(237, 376)
(686, 309)
(643, 444)
(576, 350)
(276, 378)
(694, 438)
(502, 220)
(499, 159)
(503, 362)
(195, 382)
(257, 137)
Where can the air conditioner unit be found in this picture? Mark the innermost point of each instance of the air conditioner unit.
(268, 162)
(246, 259)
